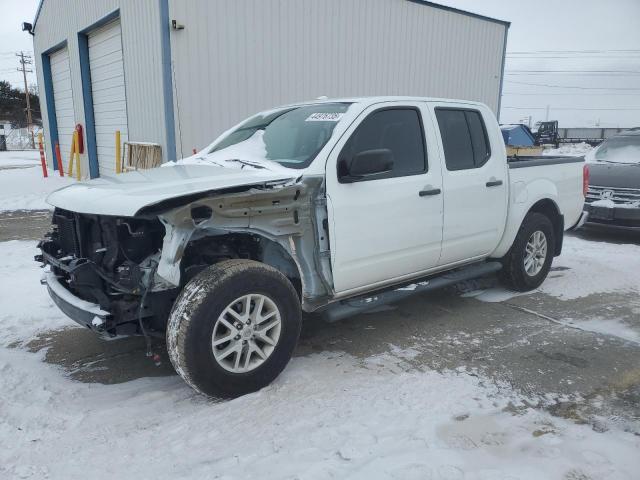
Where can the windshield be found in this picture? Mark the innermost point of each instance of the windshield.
(291, 137)
(625, 149)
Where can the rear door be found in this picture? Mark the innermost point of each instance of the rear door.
(386, 228)
(474, 179)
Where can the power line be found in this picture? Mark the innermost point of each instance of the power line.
(629, 72)
(574, 108)
(572, 86)
(564, 94)
(572, 56)
(536, 52)
(585, 75)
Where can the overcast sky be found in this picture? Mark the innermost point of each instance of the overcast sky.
(597, 41)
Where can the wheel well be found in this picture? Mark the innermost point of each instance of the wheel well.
(549, 209)
(208, 250)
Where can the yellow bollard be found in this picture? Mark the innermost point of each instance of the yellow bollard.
(118, 147)
(76, 149)
(73, 146)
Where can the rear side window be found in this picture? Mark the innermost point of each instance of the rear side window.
(464, 138)
(396, 129)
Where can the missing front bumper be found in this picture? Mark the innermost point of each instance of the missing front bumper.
(84, 313)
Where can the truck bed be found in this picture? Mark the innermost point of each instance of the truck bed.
(535, 161)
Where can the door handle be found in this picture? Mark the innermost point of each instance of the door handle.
(494, 183)
(429, 193)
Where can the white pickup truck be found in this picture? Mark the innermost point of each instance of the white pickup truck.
(328, 206)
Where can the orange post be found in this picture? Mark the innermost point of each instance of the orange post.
(59, 159)
(43, 162)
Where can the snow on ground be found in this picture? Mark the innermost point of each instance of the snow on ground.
(25, 308)
(365, 422)
(328, 416)
(608, 326)
(20, 158)
(570, 150)
(584, 268)
(22, 186)
(587, 266)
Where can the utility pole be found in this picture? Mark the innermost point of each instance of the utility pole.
(24, 61)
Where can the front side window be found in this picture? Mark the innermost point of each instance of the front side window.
(464, 138)
(396, 129)
(291, 137)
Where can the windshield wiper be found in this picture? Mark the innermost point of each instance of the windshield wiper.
(245, 163)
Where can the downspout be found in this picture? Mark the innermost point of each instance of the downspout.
(167, 85)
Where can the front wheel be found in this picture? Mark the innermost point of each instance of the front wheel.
(233, 328)
(527, 263)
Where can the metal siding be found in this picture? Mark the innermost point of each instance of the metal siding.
(61, 20)
(108, 92)
(63, 101)
(235, 58)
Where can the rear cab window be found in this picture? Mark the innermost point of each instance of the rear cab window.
(464, 138)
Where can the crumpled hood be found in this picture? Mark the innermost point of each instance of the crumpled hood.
(127, 193)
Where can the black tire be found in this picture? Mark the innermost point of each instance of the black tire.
(513, 274)
(196, 310)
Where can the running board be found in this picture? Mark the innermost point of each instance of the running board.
(352, 306)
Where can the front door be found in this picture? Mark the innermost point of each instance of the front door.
(388, 226)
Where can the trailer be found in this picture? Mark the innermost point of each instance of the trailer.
(550, 134)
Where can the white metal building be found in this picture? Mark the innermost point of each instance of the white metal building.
(179, 73)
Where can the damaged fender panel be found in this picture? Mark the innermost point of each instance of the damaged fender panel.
(292, 214)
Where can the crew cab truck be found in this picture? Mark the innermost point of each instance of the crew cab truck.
(330, 206)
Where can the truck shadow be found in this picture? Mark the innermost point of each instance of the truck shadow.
(88, 358)
(607, 234)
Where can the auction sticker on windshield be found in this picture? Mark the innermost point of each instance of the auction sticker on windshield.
(324, 117)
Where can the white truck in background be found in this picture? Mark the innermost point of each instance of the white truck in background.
(328, 206)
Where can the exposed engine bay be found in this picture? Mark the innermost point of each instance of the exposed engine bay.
(133, 268)
(101, 259)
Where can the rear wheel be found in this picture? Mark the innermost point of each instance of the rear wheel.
(527, 263)
(233, 328)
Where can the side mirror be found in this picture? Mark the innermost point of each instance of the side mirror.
(366, 165)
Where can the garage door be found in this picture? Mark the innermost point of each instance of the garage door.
(108, 92)
(63, 101)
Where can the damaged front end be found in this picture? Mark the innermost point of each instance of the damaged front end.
(120, 275)
(99, 267)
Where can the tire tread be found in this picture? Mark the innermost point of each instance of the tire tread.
(191, 298)
(512, 274)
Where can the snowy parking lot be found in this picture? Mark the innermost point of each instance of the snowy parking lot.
(473, 382)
